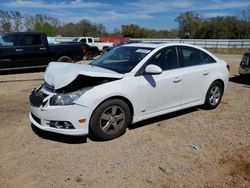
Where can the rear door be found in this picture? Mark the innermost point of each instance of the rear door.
(196, 67)
(35, 50)
(11, 51)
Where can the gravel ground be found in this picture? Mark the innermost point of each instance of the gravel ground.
(154, 153)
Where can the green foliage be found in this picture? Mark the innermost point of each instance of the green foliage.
(192, 25)
(189, 24)
(45, 28)
(135, 31)
(82, 28)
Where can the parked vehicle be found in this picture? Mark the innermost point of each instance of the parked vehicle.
(244, 68)
(19, 50)
(119, 44)
(89, 52)
(90, 41)
(129, 84)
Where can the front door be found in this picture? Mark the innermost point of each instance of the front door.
(11, 52)
(162, 91)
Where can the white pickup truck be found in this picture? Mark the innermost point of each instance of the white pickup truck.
(90, 41)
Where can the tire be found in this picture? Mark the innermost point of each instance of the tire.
(65, 59)
(110, 120)
(89, 55)
(214, 95)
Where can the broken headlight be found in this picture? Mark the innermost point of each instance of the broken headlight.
(67, 98)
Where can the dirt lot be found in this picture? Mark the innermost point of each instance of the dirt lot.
(154, 153)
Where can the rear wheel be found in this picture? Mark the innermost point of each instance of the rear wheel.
(110, 119)
(65, 59)
(89, 55)
(214, 95)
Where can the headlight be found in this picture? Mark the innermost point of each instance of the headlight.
(67, 98)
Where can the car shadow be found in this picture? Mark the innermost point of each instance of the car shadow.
(59, 137)
(162, 118)
(240, 80)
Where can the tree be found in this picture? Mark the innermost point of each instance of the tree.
(46, 28)
(188, 24)
(5, 21)
(29, 22)
(245, 14)
(17, 18)
(131, 30)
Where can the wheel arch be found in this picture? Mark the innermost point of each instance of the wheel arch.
(128, 102)
(221, 82)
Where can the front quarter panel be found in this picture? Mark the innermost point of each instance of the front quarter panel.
(126, 87)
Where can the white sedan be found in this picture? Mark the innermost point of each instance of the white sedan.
(129, 84)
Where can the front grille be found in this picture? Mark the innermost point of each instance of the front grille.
(48, 87)
(38, 120)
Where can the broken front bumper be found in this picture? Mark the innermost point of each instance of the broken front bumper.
(66, 120)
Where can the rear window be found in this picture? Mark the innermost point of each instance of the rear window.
(245, 60)
(191, 56)
(32, 40)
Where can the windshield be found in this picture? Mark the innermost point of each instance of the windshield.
(75, 40)
(122, 59)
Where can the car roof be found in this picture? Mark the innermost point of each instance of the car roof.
(145, 45)
(157, 45)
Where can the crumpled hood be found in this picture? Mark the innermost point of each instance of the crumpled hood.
(60, 74)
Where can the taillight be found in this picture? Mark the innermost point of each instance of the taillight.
(84, 50)
(228, 67)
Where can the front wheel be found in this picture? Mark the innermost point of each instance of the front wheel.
(89, 56)
(214, 95)
(110, 119)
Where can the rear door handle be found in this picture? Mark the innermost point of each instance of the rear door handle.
(205, 73)
(19, 50)
(177, 79)
(42, 48)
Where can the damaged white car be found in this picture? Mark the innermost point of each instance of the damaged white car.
(129, 84)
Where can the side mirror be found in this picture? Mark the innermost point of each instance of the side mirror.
(153, 69)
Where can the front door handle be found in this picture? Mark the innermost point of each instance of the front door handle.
(19, 50)
(205, 73)
(42, 48)
(177, 79)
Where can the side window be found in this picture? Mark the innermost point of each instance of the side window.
(10, 40)
(191, 56)
(207, 58)
(165, 58)
(32, 40)
(90, 40)
(83, 40)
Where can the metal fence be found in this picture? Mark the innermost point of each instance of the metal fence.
(205, 43)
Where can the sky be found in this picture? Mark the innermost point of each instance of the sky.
(154, 14)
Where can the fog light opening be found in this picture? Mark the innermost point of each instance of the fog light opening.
(61, 125)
